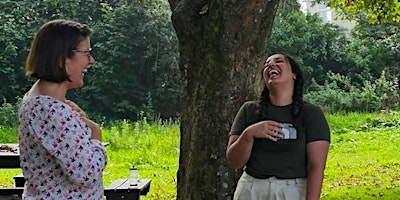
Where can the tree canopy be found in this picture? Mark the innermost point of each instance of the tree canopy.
(377, 11)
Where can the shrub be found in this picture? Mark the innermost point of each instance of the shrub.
(340, 94)
(8, 115)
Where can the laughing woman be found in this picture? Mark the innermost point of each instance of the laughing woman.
(62, 156)
(281, 141)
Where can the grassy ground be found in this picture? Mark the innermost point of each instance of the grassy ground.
(364, 159)
(153, 148)
(363, 163)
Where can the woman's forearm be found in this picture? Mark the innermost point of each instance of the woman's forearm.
(314, 184)
(239, 150)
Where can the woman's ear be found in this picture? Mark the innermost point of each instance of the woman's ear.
(67, 64)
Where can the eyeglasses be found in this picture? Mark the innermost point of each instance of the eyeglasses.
(89, 51)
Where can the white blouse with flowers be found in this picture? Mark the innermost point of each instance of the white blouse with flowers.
(58, 158)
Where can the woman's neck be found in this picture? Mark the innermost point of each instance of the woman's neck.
(281, 98)
(56, 90)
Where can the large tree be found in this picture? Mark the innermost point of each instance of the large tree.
(222, 44)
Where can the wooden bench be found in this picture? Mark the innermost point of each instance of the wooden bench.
(11, 193)
(121, 189)
(19, 180)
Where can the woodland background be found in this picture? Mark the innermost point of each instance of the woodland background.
(137, 75)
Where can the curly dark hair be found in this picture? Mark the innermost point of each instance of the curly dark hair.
(297, 90)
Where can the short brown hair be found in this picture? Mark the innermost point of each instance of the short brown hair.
(53, 43)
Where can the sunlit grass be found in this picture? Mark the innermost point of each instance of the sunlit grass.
(363, 164)
(153, 148)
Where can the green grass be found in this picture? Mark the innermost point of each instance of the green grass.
(363, 162)
(153, 148)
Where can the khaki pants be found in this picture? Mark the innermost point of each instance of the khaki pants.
(250, 188)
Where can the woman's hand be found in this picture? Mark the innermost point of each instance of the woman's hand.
(270, 130)
(240, 146)
(75, 107)
(96, 131)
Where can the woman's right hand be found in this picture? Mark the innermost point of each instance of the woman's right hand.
(96, 131)
(75, 107)
(268, 129)
(240, 146)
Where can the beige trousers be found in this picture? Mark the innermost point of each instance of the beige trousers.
(250, 188)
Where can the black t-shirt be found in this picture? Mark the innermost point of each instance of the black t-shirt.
(284, 158)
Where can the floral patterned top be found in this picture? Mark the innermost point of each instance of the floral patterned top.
(58, 158)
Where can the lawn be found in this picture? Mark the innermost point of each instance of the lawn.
(363, 162)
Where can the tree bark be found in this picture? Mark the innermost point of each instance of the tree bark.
(222, 45)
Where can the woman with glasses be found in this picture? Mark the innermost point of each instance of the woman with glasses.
(281, 141)
(61, 153)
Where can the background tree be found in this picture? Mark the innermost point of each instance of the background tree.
(376, 11)
(374, 48)
(318, 47)
(136, 74)
(222, 44)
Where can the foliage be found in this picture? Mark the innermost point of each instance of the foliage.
(342, 73)
(318, 47)
(13, 47)
(374, 48)
(362, 163)
(377, 11)
(8, 115)
(137, 67)
(135, 51)
(339, 94)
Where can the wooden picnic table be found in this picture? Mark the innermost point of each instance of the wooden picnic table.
(9, 156)
(121, 189)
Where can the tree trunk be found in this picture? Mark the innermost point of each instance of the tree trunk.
(222, 44)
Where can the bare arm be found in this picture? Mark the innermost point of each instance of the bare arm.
(317, 153)
(239, 147)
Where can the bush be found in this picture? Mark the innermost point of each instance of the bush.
(8, 115)
(340, 94)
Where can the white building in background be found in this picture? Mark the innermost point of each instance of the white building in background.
(326, 14)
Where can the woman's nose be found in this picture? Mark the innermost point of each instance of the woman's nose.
(92, 60)
(272, 63)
